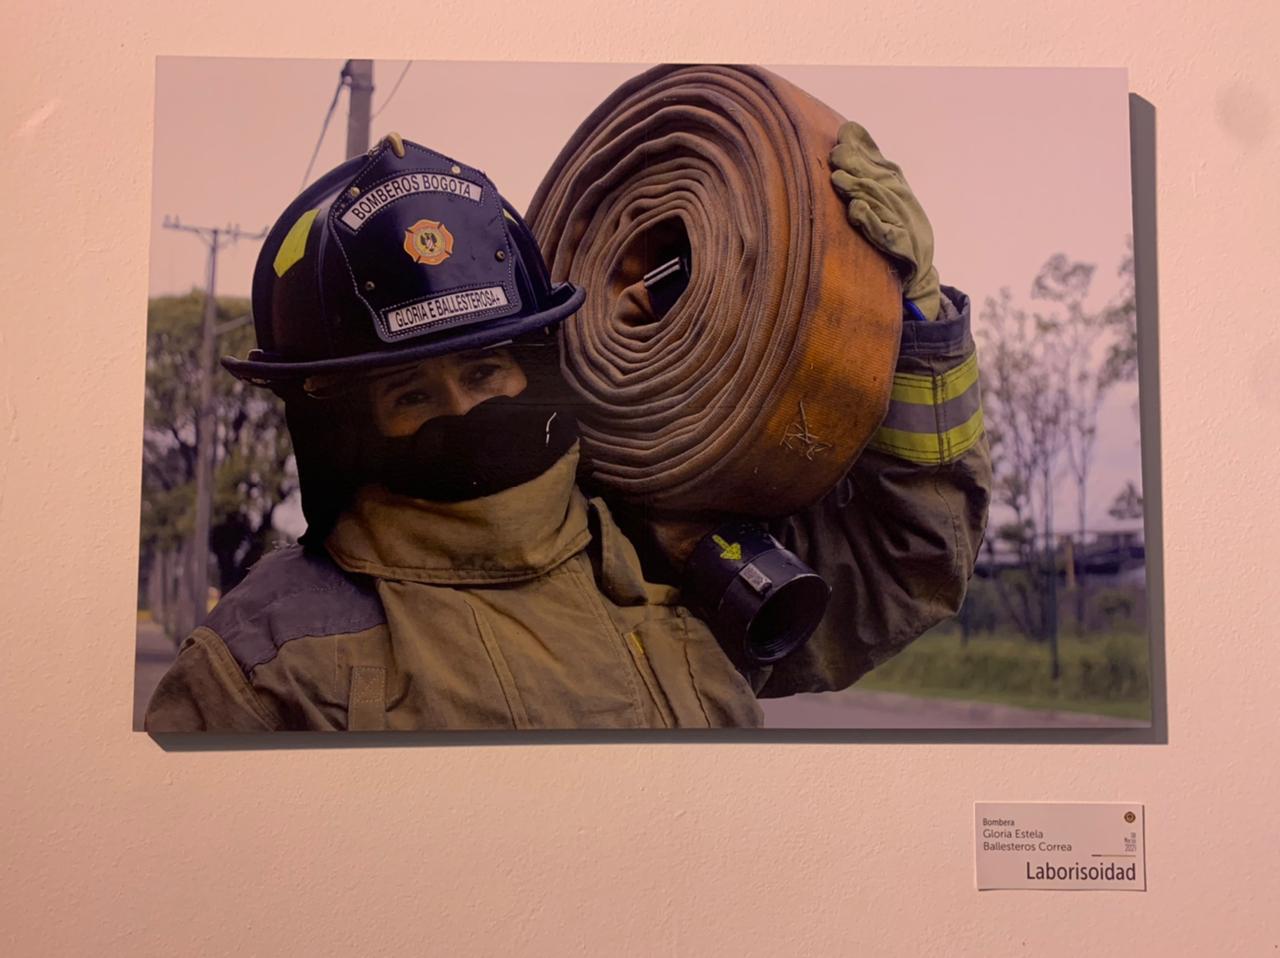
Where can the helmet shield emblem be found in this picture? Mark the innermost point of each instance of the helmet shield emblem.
(428, 242)
(400, 205)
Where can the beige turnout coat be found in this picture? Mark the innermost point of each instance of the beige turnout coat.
(525, 609)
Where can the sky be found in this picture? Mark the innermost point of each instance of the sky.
(1012, 165)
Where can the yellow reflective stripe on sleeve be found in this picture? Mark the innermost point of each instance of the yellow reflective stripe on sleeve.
(295, 243)
(930, 449)
(932, 419)
(932, 390)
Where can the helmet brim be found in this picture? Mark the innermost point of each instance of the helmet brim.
(262, 369)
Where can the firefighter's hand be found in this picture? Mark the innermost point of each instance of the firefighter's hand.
(886, 212)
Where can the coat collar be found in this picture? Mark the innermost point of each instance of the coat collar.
(511, 536)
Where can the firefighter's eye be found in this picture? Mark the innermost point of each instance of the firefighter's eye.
(412, 398)
(478, 375)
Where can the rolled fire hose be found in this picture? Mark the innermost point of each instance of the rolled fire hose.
(750, 390)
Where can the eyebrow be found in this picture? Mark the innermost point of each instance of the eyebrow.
(396, 380)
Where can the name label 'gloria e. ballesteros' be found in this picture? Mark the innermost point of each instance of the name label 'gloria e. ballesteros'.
(437, 309)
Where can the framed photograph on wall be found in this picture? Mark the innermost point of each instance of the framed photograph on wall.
(499, 395)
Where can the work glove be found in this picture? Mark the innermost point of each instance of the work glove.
(885, 211)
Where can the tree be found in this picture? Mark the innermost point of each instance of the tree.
(253, 470)
(1083, 385)
(1121, 316)
(1046, 374)
(1084, 377)
(1067, 282)
(1127, 503)
(1024, 413)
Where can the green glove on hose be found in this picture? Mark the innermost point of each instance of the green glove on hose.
(886, 212)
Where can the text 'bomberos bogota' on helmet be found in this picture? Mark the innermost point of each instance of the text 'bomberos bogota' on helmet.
(395, 256)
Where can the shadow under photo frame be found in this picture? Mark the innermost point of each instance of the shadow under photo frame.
(1142, 132)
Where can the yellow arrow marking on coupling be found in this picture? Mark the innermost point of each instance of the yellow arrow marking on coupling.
(731, 550)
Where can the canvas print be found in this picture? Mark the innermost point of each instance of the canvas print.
(516, 396)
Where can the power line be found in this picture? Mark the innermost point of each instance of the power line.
(391, 95)
(342, 81)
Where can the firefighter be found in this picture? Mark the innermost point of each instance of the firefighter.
(453, 574)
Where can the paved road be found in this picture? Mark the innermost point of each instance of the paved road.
(852, 709)
(859, 709)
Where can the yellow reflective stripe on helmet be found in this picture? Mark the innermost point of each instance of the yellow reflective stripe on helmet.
(930, 449)
(295, 243)
(931, 390)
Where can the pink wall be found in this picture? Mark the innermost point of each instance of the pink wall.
(113, 846)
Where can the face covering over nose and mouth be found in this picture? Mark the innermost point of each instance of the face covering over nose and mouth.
(499, 443)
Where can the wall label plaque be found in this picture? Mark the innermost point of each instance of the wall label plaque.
(1060, 845)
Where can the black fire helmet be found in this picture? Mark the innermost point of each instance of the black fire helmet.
(394, 256)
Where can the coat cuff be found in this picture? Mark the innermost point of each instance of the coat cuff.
(935, 408)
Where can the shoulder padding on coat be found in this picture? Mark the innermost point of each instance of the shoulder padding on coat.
(289, 594)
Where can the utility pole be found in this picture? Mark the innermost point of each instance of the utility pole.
(215, 238)
(359, 76)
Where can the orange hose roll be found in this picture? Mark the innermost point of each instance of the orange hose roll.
(754, 393)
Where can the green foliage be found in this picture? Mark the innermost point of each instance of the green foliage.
(252, 454)
(1127, 503)
(982, 608)
(1098, 673)
(1122, 316)
(167, 515)
(1115, 607)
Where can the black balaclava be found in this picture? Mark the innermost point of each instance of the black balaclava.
(499, 443)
